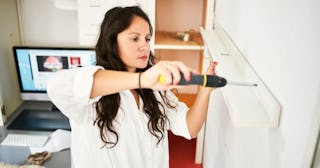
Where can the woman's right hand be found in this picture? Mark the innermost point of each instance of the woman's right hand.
(170, 70)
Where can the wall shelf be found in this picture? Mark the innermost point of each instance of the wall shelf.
(247, 106)
(168, 40)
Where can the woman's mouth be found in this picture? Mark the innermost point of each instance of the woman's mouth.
(144, 57)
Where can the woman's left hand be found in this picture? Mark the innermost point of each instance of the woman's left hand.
(211, 71)
(212, 68)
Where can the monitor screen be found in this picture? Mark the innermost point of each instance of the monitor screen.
(35, 65)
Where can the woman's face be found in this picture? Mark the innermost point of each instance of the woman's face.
(133, 44)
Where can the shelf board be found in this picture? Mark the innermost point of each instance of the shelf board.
(247, 106)
(168, 40)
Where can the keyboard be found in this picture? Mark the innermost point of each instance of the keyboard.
(25, 140)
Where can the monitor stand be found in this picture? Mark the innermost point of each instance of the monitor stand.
(54, 108)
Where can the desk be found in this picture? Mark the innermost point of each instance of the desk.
(19, 155)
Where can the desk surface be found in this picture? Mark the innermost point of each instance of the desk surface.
(18, 155)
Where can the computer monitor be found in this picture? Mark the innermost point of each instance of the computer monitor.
(35, 65)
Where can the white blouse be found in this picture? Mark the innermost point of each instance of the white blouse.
(70, 91)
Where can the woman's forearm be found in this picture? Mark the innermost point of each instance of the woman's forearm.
(108, 82)
(198, 112)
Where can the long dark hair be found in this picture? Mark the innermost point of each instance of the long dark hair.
(115, 21)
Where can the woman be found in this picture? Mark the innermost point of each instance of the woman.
(119, 112)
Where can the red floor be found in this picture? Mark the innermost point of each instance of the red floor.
(182, 152)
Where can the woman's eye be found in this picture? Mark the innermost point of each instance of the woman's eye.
(135, 39)
(147, 39)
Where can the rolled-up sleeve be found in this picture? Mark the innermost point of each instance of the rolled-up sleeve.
(70, 91)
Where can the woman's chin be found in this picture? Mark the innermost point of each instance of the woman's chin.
(143, 66)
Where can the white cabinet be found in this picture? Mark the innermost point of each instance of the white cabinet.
(91, 14)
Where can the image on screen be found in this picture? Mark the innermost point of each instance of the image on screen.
(35, 65)
(52, 63)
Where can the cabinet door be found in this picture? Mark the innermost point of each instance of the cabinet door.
(91, 14)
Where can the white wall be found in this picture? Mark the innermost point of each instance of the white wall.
(45, 25)
(281, 41)
(9, 36)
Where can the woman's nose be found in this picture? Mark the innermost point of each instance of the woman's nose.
(144, 47)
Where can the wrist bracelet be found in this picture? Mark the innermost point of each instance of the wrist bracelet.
(140, 81)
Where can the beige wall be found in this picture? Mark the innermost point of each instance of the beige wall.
(9, 33)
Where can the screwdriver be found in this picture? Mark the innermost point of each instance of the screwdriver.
(207, 81)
